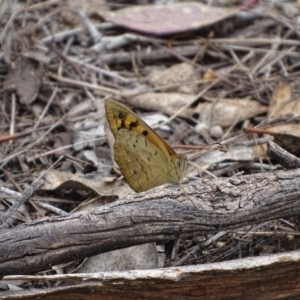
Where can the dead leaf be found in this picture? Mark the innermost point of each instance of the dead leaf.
(235, 152)
(88, 6)
(141, 257)
(168, 103)
(174, 78)
(60, 140)
(282, 102)
(103, 186)
(285, 135)
(24, 78)
(168, 19)
(288, 141)
(210, 74)
(225, 112)
(285, 139)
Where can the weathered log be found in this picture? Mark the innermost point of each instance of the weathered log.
(273, 276)
(164, 214)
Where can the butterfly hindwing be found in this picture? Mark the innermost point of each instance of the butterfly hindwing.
(141, 163)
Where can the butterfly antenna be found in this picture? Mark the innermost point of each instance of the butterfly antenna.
(198, 168)
(184, 190)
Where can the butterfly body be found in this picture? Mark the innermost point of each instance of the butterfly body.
(145, 159)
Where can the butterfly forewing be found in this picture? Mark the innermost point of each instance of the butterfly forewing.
(132, 122)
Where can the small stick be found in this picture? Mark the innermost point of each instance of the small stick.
(28, 192)
(285, 158)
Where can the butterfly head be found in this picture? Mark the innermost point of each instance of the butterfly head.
(182, 165)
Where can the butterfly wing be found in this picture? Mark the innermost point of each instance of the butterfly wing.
(132, 122)
(144, 157)
(143, 165)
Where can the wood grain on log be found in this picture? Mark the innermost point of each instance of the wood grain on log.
(165, 214)
(269, 277)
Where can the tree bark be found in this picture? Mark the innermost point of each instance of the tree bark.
(273, 276)
(164, 214)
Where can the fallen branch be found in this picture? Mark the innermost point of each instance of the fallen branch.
(165, 214)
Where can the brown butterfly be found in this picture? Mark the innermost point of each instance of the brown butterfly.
(144, 157)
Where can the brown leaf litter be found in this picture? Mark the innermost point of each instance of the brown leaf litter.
(227, 84)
